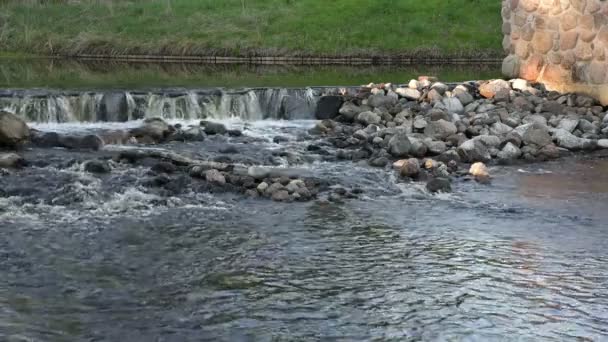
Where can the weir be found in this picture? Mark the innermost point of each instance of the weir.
(56, 106)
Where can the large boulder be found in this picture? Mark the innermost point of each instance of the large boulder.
(152, 130)
(328, 107)
(214, 128)
(509, 153)
(381, 100)
(411, 94)
(13, 130)
(399, 145)
(81, 142)
(439, 130)
(453, 105)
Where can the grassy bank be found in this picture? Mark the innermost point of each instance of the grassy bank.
(451, 28)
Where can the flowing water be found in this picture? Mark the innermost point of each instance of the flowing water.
(105, 258)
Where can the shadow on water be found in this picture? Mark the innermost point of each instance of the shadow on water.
(70, 74)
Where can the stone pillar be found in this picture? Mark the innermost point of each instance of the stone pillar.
(561, 43)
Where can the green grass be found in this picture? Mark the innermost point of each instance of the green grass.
(246, 27)
(34, 73)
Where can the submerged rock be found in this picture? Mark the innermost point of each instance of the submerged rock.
(11, 160)
(97, 166)
(214, 176)
(436, 185)
(214, 128)
(153, 130)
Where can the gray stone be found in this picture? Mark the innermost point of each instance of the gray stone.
(350, 111)
(539, 119)
(13, 130)
(569, 141)
(465, 99)
(368, 118)
(328, 107)
(213, 128)
(435, 147)
(420, 123)
(81, 142)
(568, 124)
(214, 176)
(500, 129)
(361, 135)
(380, 100)
(410, 168)
(537, 135)
(488, 140)
(399, 145)
(262, 187)
(453, 105)
(509, 153)
(155, 129)
(280, 196)
(439, 130)
(602, 143)
(472, 151)
(418, 148)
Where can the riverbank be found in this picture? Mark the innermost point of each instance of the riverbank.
(315, 29)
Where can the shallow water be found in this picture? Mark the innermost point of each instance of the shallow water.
(524, 258)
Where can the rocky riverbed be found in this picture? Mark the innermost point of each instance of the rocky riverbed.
(424, 131)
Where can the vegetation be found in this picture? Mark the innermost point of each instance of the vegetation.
(447, 28)
(33, 73)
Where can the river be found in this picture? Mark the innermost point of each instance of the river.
(104, 258)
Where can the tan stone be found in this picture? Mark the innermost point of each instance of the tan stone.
(527, 32)
(556, 74)
(515, 34)
(569, 21)
(530, 69)
(586, 22)
(514, 4)
(522, 49)
(568, 40)
(583, 51)
(565, 4)
(519, 20)
(597, 72)
(602, 36)
(542, 41)
(581, 72)
(568, 59)
(554, 58)
(599, 53)
(579, 5)
(592, 6)
(529, 5)
(587, 35)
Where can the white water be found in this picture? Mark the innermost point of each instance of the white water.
(117, 106)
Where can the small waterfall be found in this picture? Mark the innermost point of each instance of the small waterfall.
(120, 106)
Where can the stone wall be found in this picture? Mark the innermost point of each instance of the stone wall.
(561, 43)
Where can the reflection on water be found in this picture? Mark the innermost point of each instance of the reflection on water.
(585, 177)
(72, 74)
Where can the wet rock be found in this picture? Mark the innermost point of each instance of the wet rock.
(45, 139)
(500, 129)
(152, 130)
(548, 152)
(328, 107)
(435, 147)
(379, 161)
(418, 148)
(399, 145)
(214, 128)
(273, 188)
(479, 170)
(436, 185)
(97, 166)
(77, 142)
(410, 168)
(11, 161)
(453, 105)
(235, 133)
(229, 149)
(262, 187)
(214, 176)
(420, 123)
(602, 143)
(164, 167)
(382, 101)
(13, 130)
(472, 151)
(281, 196)
(439, 130)
(449, 156)
(368, 118)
